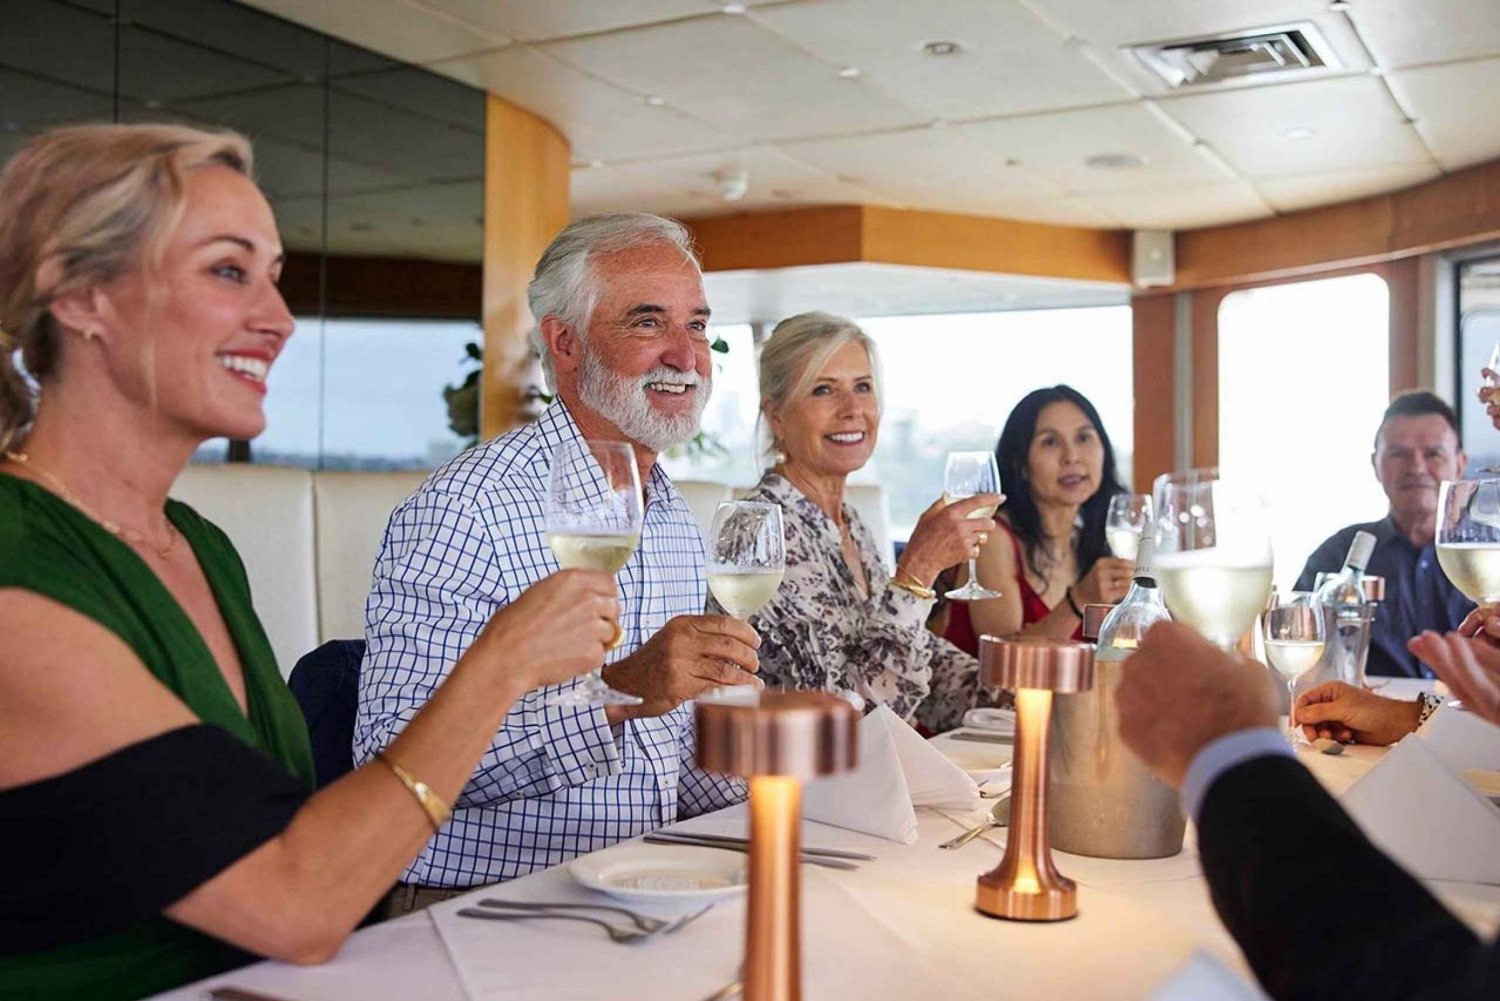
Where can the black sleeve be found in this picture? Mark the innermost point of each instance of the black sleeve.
(1318, 910)
(94, 851)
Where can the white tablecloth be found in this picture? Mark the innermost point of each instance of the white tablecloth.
(900, 927)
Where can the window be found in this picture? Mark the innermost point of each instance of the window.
(1304, 376)
(949, 382)
(1478, 334)
(363, 394)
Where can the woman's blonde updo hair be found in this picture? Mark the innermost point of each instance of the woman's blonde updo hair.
(80, 206)
(796, 352)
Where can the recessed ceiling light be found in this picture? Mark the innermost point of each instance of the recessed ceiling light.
(655, 101)
(942, 48)
(849, 72)
(733, 8)
(1116, 161)
(1299, 132)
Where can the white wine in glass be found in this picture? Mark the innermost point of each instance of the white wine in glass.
(1128, 519)
(967, 474)
(594, 513)
(1294, 632)
(1213, 553)
(747, 556)
(1468, 538)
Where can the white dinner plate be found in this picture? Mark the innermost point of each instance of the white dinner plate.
(648, 873)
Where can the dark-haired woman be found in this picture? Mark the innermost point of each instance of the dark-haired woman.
(1049, 558)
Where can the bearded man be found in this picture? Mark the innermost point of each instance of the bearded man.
(622, 328)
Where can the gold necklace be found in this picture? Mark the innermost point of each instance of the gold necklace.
(112, 527)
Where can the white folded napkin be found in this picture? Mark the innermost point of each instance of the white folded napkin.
(897, 771)
(1426, 816)
(993, 720)
(1204, 978)
(1463, 739)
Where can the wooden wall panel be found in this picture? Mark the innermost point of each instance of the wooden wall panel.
(1154, 347)
(526, 172)
(863, 233)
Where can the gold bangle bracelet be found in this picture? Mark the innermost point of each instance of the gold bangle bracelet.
(437, 811)
(913, 586)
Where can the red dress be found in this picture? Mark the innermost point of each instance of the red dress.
(960, 631)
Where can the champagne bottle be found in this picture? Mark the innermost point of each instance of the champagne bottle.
(1347, 617)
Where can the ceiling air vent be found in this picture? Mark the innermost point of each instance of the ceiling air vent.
(1257, 54)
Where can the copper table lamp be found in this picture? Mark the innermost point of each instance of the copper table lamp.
(1026, 886)
(776, 740)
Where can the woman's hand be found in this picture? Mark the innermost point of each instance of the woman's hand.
(945, 535)
(1105, 583)
(557, 629)
(1470, 666)
(1349, 714)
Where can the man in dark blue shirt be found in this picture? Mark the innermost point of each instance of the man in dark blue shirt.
(1416, 448)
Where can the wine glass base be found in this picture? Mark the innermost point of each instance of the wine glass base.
(971, 592)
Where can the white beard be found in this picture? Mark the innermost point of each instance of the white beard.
(625, 403)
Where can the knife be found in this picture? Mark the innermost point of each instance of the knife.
(724, 839)
(984, 738)
(663, 839)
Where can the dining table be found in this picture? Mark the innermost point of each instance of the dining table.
(901, 925)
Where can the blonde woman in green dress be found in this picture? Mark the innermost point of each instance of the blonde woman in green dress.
(152, 763)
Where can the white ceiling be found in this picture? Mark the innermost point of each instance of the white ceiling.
(1001, 129)
(891, 290)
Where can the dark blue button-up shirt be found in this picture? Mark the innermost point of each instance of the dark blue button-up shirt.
(1418, 595)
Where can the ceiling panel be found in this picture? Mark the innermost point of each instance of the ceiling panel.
(601, 122)
(1406, 33)
(438, 221)
(890, 290)
(1057, 145)
(159, 68)
(29, 103)
(1354, 123)
(1182, 207)
(1455, 109)
(736, 76)
(229, 28)
(1011, 61)
(533, 20)
(422, 93)
(58, 42)
(1303, 191)
(400, 30)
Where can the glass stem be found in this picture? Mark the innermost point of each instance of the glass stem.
(973, 572)
(1291, 711)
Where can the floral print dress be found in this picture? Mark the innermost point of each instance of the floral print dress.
(819, 632)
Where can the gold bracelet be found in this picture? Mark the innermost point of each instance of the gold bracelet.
(437, 811)
(913, 586)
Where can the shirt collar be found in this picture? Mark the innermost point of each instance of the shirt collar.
(556, 425)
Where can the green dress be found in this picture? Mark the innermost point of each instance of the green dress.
(49, 547)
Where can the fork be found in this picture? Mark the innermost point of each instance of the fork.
(616, 934)
(644, 922)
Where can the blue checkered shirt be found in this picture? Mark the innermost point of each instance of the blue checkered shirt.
(555, 782)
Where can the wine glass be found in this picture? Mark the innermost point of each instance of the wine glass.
(593, 519)
(967, 474)
(747, 556)
(1213, 553)
(1129, 518)
(1294, 634)
(1468, 538)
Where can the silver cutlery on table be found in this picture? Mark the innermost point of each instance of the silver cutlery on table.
(999, 817)
(680, 839)
(730, 990)
(225, 992)
(724, 839)
(983, 738)
(644, 922)
(615, 932)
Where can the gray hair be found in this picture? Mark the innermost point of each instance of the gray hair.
(798, 349)
(564, 286)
